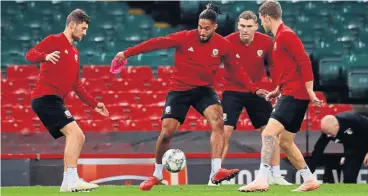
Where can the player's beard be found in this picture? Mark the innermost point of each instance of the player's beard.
(77, 38)
(208, 38)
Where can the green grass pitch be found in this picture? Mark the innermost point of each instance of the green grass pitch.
(190, 190)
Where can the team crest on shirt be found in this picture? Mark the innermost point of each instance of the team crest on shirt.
(215, 52)
(76, 57)
(259, 53)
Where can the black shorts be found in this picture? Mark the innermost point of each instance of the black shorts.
(178, 102)
(258, 109)
(290, 112)
(52, 113)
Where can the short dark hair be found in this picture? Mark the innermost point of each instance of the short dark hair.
(248, 15)
(78, 16)
(271, 8)
(210, 13)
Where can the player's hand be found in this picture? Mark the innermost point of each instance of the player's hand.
(53, 57)
(100, 108)
(273, 95)
(261, 92)
(120, 56)
(313, 97)
(366, 160)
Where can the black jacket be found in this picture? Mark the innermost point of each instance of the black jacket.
(352, 134)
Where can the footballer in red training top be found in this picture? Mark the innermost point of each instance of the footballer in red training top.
(198, 56)
(255, 50)
(59, 75)
(295, 83)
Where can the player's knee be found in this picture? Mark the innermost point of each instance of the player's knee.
(285, 143)
(80, 137)
(216, 122)
(268, 132)
(273, 128)
(228, 130)
(168, 131)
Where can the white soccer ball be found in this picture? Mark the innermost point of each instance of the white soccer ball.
(174, 160)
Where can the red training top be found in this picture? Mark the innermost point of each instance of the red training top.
(196, 63)
(60, 78)
(292, 63)
(253, 59)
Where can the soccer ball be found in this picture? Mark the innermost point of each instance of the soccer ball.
(174, 160)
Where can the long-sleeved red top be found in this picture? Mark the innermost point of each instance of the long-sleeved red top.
(60, 78)
(292, 63)
(196, 63)
(253, 58)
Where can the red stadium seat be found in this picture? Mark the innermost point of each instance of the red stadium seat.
(16, 100)
(17, 86)
(17, 113)
(151, 113)
(34, 126)
(98, 72)
(100, 125)
(80, 112)
(21, 112)
(124, 112)
(244, 125)
(22, 71)
(244, 115)
(126, 98)
(24, 126)
(165, 72)
(109, 98)
(11, 126)
(193, 114)
(95, 85)
(158, 98)
(137, 73)
(127, 85)
(159, 85)
(145, 125)
(72, 99)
